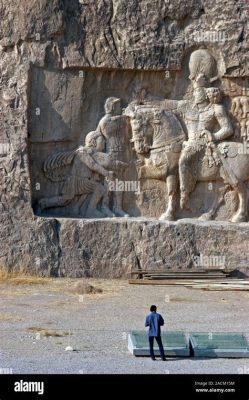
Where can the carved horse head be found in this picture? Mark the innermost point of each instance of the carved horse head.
(153, 128)
(140, 134)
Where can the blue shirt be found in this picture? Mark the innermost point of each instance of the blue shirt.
(154, 321)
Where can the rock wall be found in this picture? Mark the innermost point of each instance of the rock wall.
(44, 38)
(149, 244)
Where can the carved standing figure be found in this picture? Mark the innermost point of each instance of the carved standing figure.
(115, 128)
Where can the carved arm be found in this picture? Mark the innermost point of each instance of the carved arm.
(226, 128)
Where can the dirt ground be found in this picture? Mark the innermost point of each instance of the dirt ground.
(38, 321)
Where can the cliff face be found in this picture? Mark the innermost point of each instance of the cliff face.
(77, 35)
(123, 33)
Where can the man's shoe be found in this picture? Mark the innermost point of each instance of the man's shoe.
(163, 359)
(153, 358)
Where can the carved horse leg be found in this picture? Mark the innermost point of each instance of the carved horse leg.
(172, 183)
(96, 196)
(187, 180)
(118, 205)
(55, 201)
(185, 192)
(105, 208)
(241, 214)
(215, 206)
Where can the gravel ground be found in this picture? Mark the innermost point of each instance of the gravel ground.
(99, 325)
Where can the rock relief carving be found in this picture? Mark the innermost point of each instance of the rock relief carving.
(177, 142)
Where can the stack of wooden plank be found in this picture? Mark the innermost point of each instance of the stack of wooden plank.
(200, 274)
(202, 279)
(230, 284)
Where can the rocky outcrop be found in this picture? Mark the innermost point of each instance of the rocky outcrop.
(58, 35)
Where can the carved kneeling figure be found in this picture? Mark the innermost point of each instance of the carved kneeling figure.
(88, 164)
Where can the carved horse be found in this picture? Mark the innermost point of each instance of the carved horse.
(157, 137)
(233, 168)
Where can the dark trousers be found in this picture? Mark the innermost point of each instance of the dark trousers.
(160, 345)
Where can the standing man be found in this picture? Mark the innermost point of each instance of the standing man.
(154, 321)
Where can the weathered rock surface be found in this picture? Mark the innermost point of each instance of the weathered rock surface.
(61, 35)
(114, 247)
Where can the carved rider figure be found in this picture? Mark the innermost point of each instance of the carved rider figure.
(207, 122)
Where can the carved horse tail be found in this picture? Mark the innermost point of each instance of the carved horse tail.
(55, 166)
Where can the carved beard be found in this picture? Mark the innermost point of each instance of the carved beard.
(200, 96)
